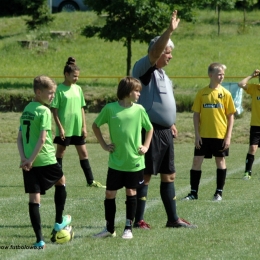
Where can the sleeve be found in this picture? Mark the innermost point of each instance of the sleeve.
(230, 106)
(46, 120)
(196, 107)
(146, 123)
(102, 118)
(82, 99)
(141, 68)
(56, 101)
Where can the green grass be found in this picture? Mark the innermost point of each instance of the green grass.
(226, 230)
(184, 123)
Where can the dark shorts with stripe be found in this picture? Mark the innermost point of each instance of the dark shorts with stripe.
(119, 179)
(69, 140)
(41, 178)
(160, 155)
(254, 138)
(211, 147)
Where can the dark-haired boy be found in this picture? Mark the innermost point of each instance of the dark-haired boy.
(125, 120)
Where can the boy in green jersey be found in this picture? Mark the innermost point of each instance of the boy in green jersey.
(40, 168)
(125, 120)
(254, 137)
(69, 115)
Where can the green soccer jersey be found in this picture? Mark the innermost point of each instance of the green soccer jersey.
(69, 102)
(125, 126)
(34, 119)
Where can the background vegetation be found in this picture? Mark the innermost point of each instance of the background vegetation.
(196, 46)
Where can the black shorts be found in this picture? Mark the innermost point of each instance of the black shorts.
(39, 179)
(119, 179)
(254, 138)
(211, 147)
(69, 140)
(160, 155)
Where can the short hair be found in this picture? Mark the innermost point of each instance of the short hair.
(216, 66)
(154, 40)
(70, 66)
(43, 82)
(126, 86)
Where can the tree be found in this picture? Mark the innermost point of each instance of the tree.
(39, 12)
(220, 5)
(129, 21)
(245, 5)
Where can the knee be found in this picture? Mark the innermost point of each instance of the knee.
(110, 194)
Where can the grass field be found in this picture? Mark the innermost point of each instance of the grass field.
(226, 230)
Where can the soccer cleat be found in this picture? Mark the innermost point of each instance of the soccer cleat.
(142, 224)
(65, 221)
(180, 223)
(217, 197)
(40, 244)
(104, 233)
(190, 197)
(96, 184)
(53, 236)
(127, 234)
(247, 176)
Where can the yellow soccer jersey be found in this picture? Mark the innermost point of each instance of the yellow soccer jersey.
(213, 105)
(254, 91)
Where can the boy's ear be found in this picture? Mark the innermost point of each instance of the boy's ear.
(37, 92)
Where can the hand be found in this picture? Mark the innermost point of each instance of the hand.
(226, 144)
(255, 73)
(174, 131)
(109, 148)
(84, 133)
(174, 21)
(62, 134)
(198, 142)
(142, 149)
(26, 165)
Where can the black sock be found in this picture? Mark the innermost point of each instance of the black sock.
(87, 170)
(195, 181)
(141, 202)
(35, 217)
(167, 192)
(221, 177)
(59, 200)
(59, 161)
(130, 210)
(110, 213)
(249, 163)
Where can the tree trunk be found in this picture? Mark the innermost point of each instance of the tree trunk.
(129, 56)
(218, 20)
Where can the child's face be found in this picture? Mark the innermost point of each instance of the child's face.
(72, 77)
(217, 76)
(134, 95)
(46, 96)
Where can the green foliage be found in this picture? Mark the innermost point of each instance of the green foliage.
(39, 12)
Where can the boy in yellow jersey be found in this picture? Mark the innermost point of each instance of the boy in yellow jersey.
(40, 168)
(213, 120)
(254, 140)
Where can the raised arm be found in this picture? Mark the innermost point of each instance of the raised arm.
(159, 46)
(243, 82)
